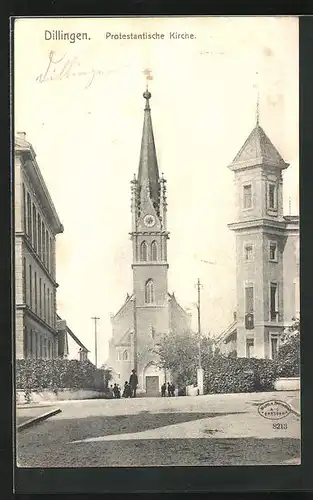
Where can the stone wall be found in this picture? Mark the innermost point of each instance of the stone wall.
(62, 395)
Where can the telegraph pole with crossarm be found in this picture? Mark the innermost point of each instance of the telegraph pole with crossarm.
(95, 318)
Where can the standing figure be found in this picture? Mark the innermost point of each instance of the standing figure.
(127, 390)
(163, 390)
(116, 391)
(172, 389)
(133, 382)
(169, 389)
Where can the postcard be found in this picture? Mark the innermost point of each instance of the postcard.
(156, 208)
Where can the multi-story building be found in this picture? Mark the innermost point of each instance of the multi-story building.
(267, 252)
(150, 310)
(36, 226)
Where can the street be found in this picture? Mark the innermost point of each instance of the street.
(207, 430)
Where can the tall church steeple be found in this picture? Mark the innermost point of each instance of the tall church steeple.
(149, 203)
(149, 233)
(148, 171)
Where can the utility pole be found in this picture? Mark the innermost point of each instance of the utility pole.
(199, 369)
(95, 318)
(199, 285)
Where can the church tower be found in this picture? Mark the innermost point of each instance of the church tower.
(149, 239)
(150, 311)
(265, 248)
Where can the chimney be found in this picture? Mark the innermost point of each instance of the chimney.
(22, 135)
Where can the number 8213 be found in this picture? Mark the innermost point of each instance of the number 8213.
(280, 426)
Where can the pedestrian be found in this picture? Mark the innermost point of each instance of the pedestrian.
(133, 382)
(163, 390)
(110, 392)
(169, 389)
(126, 391)
(116, 391)
(172, 389)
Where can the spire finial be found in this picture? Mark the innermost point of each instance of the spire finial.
(257, 99)
(147, 94)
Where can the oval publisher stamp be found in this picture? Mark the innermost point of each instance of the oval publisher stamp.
(274, 409)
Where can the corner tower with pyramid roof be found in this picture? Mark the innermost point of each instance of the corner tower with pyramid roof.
(150, 310)
(267, 271)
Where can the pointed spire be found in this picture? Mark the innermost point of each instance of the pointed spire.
(148, 171)
(256, 85)
(258, 150)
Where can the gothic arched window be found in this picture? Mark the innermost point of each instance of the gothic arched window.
(154, 251)
(143, 251)
(125, 355)
(149, 292)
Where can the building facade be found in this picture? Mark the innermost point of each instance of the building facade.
(267, 252)
(36, 227)
(150, 310)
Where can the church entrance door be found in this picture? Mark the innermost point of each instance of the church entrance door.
(152, 385)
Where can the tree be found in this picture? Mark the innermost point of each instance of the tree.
(179, 352)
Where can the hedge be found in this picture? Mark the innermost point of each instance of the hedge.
(288, 359)
(55, 374)
(229, 374)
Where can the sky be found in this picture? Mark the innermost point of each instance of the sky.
(81, 107)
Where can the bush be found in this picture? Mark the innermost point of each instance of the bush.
(288, 358)
(55, 374)
(230, 374)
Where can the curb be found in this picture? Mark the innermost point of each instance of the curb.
(36, 420)
(27, 407)
(293, 410)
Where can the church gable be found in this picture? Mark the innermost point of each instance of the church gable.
(179, 318)
(122, 321)
(124, 339)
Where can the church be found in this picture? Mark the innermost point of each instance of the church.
(150, 311)
(267, 252)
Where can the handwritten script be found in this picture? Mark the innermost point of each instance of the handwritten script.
(61, 68)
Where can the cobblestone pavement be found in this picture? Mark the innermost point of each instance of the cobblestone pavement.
(215, 429)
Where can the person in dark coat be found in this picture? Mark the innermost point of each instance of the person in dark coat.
(133, 382)
(127, 390)
(169, 389)
(172, 389)
(116, 391)
(163, 390)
